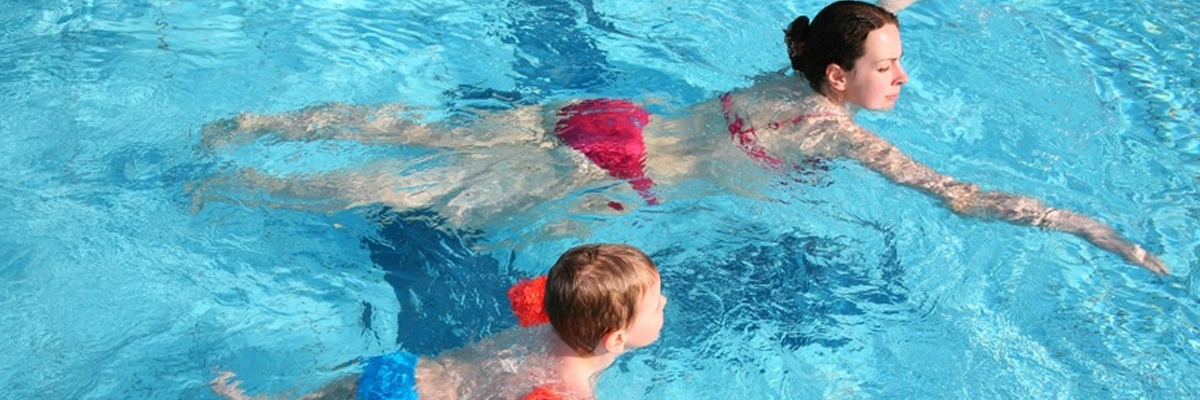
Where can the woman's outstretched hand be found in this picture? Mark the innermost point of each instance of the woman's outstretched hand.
(1105, 237)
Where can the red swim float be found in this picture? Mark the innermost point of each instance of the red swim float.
(542, 393)
(528, 299)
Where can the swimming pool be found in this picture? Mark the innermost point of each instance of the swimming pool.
(110, 287)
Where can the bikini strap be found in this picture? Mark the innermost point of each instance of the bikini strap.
(745, 136)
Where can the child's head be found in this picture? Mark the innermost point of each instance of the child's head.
(605, 296)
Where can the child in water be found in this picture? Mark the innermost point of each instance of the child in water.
(601, 300)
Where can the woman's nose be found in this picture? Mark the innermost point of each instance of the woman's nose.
(901, 75)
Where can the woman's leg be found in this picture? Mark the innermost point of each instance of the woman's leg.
(387, 124)
(387, 181)
(469, 188)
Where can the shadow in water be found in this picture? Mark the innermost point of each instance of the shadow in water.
(806, 289)
(448, 294)
(559, 52)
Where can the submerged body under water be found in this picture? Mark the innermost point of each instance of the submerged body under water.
(853, 288)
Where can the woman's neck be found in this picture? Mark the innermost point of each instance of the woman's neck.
(829, 102)
(832, 103)
(851, 108)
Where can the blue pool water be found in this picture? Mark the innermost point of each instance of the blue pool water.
(111, 287)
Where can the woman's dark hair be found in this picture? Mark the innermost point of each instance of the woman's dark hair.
(836, 36)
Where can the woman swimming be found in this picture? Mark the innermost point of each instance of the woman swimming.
(846, 58)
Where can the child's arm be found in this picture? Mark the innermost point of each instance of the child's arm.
(511, 357)
(344, 388)
(231, 390)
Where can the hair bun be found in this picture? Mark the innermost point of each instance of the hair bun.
(795, 37)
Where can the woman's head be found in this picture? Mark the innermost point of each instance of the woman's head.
(849, 52)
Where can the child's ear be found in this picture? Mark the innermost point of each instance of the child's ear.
(614, 342)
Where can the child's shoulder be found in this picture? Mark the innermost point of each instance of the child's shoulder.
(554, 393)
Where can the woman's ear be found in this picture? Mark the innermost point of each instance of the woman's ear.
(836, 77)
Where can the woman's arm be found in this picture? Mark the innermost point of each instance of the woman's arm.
(894, 6)
(966, 199)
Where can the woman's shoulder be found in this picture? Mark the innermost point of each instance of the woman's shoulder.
(774, 89)
(780, 98)
(778, 84)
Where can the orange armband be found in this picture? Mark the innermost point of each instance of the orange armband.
(528, 300)
(541, 393)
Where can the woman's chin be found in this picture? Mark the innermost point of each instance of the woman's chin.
(884, 105)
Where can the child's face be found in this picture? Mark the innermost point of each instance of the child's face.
(649, 319)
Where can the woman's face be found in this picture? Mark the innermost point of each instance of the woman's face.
(875, 81)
